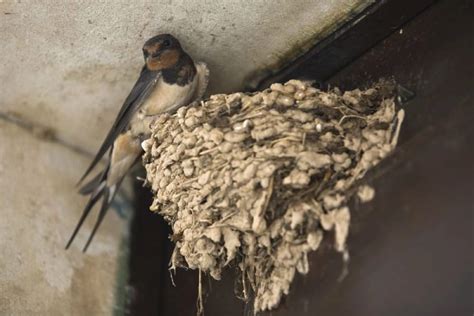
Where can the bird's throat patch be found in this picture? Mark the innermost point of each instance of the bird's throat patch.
(167, 59)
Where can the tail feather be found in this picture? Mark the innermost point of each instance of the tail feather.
(97, 188)
(106, 200)
(108, 197)
(105, 185)
(90, 204)
(92, 185)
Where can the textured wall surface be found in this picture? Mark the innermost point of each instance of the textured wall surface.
(38, 212)
(67, 66)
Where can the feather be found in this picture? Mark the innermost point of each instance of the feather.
(92, 185)
(90, 204)
(108, 196)
(100, 191)
(101, 186)
(203, 80)
(139, 93)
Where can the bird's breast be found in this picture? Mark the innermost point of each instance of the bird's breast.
(166, 97)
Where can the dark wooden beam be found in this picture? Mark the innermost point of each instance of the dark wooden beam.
(350, 41)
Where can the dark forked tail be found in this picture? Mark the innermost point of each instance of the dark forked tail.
(97, 188)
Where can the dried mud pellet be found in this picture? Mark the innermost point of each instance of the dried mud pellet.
(289, 89)
(249, 172)
(300, 85)
(204, 178)
(243, 126)
(225, 147)
(263, 134)
(314, 239)
(181, 113)
(234, 137)
(365, 193)
(277, 87)
(299, 116)
(308, 104)
(256, 99)
(207, 127)
(191, 121)
(233, 99)
(187, 163)
(247, 102)
(311, 91)
(297, 179)
(285, 100)
(188, 172)
(269, 99)
(189, 141)
(216, 136)
(300, 95)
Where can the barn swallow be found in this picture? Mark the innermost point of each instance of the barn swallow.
(168, 80)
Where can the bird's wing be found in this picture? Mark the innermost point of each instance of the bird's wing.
(203, 80)
(140, 91)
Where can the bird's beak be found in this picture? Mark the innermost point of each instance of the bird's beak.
(150, 57)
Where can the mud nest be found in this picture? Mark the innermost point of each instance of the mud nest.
(256, 181)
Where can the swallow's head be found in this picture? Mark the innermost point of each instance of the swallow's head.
(161, 52)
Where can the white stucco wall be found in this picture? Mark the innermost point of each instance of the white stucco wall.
(67, 66)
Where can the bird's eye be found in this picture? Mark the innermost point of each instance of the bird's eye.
(166, 43)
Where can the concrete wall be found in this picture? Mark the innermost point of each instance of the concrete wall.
(67, 66)
(39, 209)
